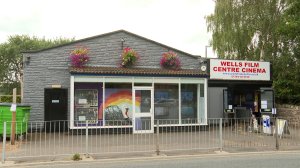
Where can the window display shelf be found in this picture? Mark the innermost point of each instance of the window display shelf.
(86, 105)
(86, 97)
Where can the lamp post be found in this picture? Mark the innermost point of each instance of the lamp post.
(206, 50)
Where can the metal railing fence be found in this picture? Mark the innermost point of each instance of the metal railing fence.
(261, 134)
(54, 138)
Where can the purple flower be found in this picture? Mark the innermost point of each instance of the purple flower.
(170, 60)
(128, 57)
(79, 57)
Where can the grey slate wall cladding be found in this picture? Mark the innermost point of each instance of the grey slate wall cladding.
(50, 66)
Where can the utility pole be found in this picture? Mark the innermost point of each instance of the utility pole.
(206, 50)
(13, 119)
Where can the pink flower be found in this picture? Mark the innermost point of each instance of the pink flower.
(170, 60)
(128, 57)
(79, 57)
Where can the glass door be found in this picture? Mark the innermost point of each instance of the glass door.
(228, 107)
(143, 121)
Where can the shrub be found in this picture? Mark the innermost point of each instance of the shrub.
(76, 157)
(9, 99)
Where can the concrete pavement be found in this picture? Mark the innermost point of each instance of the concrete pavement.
(42, 146)
(221, 159)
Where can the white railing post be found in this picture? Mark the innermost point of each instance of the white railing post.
(4, 143)
(157, 138)
(86, 138)
(221, 134)
(276, 134)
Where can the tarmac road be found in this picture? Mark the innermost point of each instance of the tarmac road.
(222, 160)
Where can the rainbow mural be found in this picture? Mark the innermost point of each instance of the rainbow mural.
(116, 100)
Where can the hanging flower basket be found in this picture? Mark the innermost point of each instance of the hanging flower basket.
(128, 57)
(170, 60)
(79, 57)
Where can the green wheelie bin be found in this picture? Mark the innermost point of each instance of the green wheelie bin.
(22, 117)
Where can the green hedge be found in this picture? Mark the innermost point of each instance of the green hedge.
(9, 99)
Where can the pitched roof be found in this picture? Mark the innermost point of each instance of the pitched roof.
(138, 71)
(110, 33)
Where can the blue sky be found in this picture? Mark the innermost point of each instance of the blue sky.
(177, 23)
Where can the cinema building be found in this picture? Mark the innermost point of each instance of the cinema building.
(240, 88)
(105, 94)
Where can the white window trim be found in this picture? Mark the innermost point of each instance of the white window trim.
(205, 97)
(72, 102)
(198, 102)
(136, 79)
(179, 102)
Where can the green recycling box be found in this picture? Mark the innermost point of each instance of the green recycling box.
(22, 116)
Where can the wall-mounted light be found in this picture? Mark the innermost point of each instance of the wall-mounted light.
(202, 60)
(122, 43)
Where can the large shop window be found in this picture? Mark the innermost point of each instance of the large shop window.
(88, 99)
(110, 104)
(118, 104)
(189, 108)
(166, 103)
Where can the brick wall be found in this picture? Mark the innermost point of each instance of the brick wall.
(289, 112)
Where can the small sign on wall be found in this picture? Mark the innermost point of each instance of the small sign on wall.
(13, 107)
(56, 86)
(55, 101)
(274, 111)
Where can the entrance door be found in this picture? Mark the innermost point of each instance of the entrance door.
(56, 109)
(227, 102)
(143, 118)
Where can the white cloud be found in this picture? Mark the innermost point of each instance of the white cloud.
(177, 23)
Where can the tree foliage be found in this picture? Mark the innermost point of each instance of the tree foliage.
(11, 58)
(236, 22)
(287, 72)
(265, 30)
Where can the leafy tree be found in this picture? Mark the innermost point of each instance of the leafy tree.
(245, 29)
(287, 72)
(11, 58)
(265, 30)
